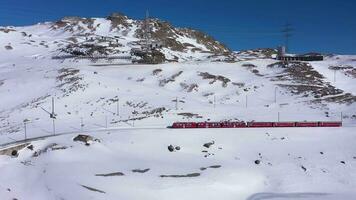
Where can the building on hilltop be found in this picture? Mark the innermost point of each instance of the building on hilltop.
(283, 56)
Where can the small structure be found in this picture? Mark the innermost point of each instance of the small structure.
(155, 45)
(151, 45)
(281, 51)
(283, 56)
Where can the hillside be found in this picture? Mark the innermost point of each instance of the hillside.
(116, 37)
(86, 66)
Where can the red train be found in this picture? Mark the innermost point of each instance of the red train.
(182, 125)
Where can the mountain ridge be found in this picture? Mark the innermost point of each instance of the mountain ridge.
(118, 35)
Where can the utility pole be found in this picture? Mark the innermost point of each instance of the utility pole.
(334, 76)
(246, 101)
(342, 117)
(176, 103)
(279, 116)
(147, 31)
(52, 115)
(54, 126)
(214, 101)
(106, 121)
(118, 107)
(287, 33)
(24, 124)
(81, 124)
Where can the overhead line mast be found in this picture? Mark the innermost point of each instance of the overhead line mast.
(287, 32)
(147, 31)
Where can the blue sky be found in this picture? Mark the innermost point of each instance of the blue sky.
(327, 26)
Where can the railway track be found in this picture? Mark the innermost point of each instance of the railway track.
(178, 125)
(18, 142)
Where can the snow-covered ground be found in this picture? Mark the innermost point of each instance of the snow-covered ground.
(127, 107)
(294, 164)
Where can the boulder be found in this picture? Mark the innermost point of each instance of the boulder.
(86, 139)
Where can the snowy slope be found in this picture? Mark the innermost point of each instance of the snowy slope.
(116, 36)
(291, 166)
(136, 102)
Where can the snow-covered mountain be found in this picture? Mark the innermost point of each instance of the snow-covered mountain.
(82, 64)
(114, 37)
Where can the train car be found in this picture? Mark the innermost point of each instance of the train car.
(214, 125)
(260, 124)
(330, 124)
(233, 125)
(202, 125)
(283, 124)
(209, 125)
(184, 125)
(307, 124)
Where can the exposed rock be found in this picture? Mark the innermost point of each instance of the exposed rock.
(257, 162)
(171, 148)
(111, 174)
(189, 87)
(151, 57)
(118, 19)
(13, 151)
(7, 30)
(190, 115)
(8, 47)
(207, 145)
(156, 71)
(258, 53)
(249, 65)
(52, 147)
(87, 139)
(304, 168)
(181, 176)
(214, 78)
(30, 147)
(140, 170)
(212, 167)
(93, 189)
(172, 78)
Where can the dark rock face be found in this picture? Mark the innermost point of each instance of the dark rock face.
(181, 176)
(151, 37)
(152, 57)
(207, 145)
(140, 170)
(211, 167)
(303, 168)
(86, 139)
(92, 189)
(111, 174)
(14, 153)
(118, 19)
(171, 148)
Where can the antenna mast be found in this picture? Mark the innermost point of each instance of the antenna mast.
(287, 32)
(147, 31)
